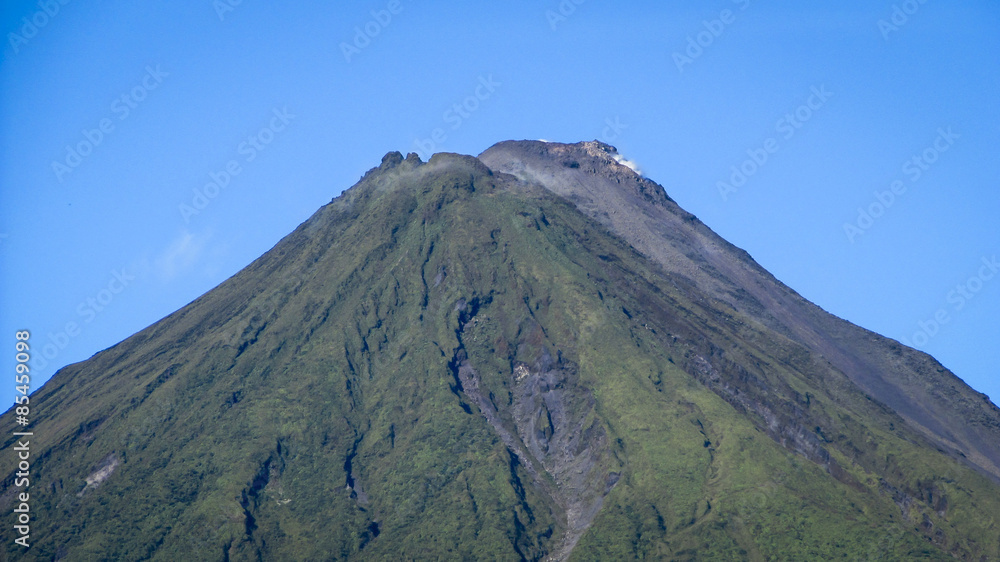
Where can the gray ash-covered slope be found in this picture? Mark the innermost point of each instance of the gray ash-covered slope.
(917, 387)
(534, 354)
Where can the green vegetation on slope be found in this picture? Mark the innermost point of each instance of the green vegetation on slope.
(355, 393)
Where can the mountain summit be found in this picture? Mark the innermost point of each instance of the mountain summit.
(533, 354)
(919, 389)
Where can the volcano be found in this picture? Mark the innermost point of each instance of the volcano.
(533, 354)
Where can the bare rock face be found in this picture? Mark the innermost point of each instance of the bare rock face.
(558, 437)
(556, 420)
(571, 456)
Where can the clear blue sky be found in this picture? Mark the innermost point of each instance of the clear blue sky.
(184, 90)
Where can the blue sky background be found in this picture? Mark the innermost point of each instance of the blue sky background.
(561, 71)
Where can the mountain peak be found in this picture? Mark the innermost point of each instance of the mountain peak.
(639, 211)
(587, 150)
(451, 159)
(391, 160)
(532, 354)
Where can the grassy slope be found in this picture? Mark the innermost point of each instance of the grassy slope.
(236, 420)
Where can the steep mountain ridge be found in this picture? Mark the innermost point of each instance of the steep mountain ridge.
(920, 389)
(450, 361)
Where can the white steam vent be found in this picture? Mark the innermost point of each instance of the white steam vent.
(632, 164)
